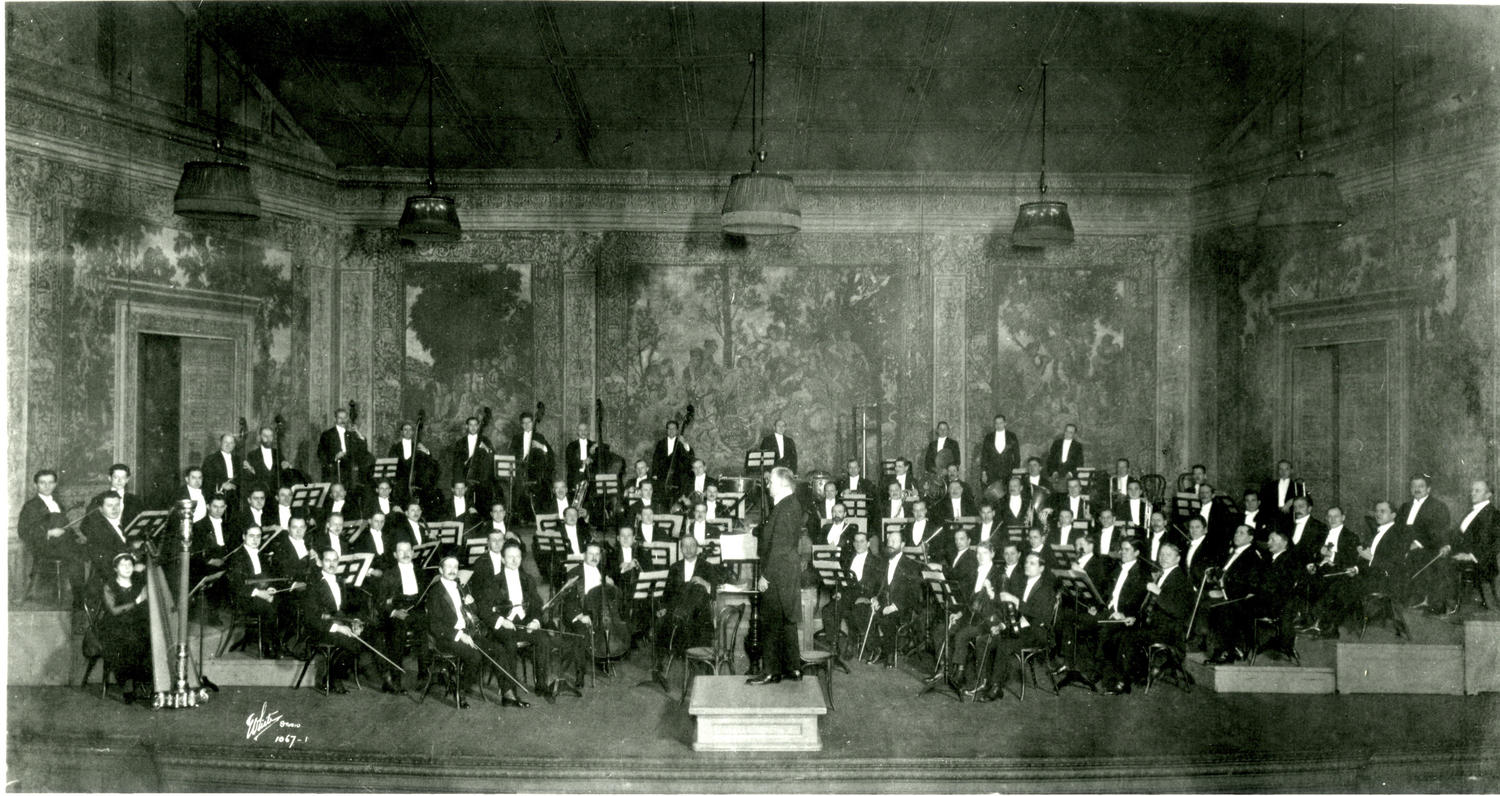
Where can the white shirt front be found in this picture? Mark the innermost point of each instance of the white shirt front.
(828, 507)
(1106, 538)
(627, 554)
(1463, 525)
(1066, 446)
(299, 545)
(1283, 488)
(416, 530)
(497, 561)
(1416, 506)
(200, 506)
(700, 483)
(460, 506)
(405, 448)
(897, 509)
(592, 577)
(1298, 526)
(1075, 505)
(343, 444)
(835, 533)
(918, 530)
(986, 530)
(378, 538)
(981, 575)
(254, 556)
(1121, 481)
(283, 515)
(1235, 556)
(1204, 509)
(1333, 539)
(999, 441)
(687, 569)
(1156, 543)
(336, 545)
(333, 586)
(1379, 534)
(648, 531)
(51, 504)
(857, 565)
(700, 531)
(1138, 511)
(1015, 505)
(265, 456)
(571, 532)
(472, 440)
(957, 508)
(451, 587)
(890, 568)
(712, 507)
(780, 445)
(229, 470)
(1114, 598)
(408, 573)
(513, 587)
(1193, 549)
(1063, 532)
(217, 523)
(525, 444)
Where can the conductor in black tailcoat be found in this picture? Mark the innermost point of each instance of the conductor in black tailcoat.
(781, 570)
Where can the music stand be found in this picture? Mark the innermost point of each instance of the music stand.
(651, 586)
(825, 552)
(427, 551)
(505, 467)
(663, 554)
(447, 533)
(714, 529)
(670, 524)
(201, 590)
(759, 461)
(1064, 554)
(731, 504)
(1081, 591)
(1016, 533)
(836, 580)
(308, 497)
(888, 468)
(353, 568)
(474, 548)
(549, 545)
(887, 524)
(606, 485)
(146, 526)
(857, 505)
(939, 587)
(385, 469)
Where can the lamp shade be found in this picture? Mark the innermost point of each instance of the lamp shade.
(761, 204)
(1043, 223)
(1307, 199)
(216, 191)
(430, 218)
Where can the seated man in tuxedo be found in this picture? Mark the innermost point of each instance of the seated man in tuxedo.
(1075, 623)
(294, 559)
(1118, 488)
(1135, 508)
(1219, 517)
(1230, 608)
(968, 630)
(331, 615)
(927, 531)
(684, 617)
(130, 503)
(384, 503)
(624, 560)
(1330, 578)
(337, 502)
(1035, 603)
(959, 568)
(1034, 482)
(1074, 500)
(894, 506)
(990, 530)
(1159, 534)
(332, 537)
(1428, 529)
(1305, 533)
(851, 606)
(646, 502)
(212, 543)
(902, 478)
(511, 609)
(1015, 509)
(897, 595)
(1125, 598)
(499, 523)
(459, 507)
(558, 502)
(836, 530)
(1036, 543)
(1064, 530)
(1260, 522)
(1280, 595)
(957, 504)
(1111, 533)
(1172, 597)
(827, 500)
(854, 482)
(41, 527)
(396, 598)
(248, 571)
(378, 541)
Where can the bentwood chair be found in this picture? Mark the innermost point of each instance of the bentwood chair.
(721, 655)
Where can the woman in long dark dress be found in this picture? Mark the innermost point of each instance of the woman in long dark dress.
(125, 626)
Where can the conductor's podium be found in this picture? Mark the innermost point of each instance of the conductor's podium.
(733, 716)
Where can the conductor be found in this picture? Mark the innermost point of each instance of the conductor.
(781, 568)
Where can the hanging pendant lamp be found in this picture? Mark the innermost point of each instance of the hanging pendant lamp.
(429, 217)
(216, 190)
(760, 204)
(1044, 222)
(1302, 198)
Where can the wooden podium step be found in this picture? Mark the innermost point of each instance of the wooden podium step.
(1261, 678)
(732, 716)
(1400, 668)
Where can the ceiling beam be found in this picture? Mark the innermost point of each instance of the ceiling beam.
(565, 80)
(443, 86)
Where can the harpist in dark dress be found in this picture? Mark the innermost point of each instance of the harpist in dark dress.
(125, 626)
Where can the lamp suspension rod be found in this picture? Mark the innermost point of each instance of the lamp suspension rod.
(1043, 184)
(431, 168)
(761, 142)
(1301, 78)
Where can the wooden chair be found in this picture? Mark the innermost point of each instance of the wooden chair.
(1026, 656)
(1165, 661)
(820, 661)
(451, 667)
(1154, 486)
(721, 654)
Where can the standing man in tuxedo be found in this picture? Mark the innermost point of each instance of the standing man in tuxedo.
(1478, 538)
(1066, 454)
(341, 450)
(1304, 532)
(941, 452)
(473, 459)
(265, 464)
(671, 463)
(409, 453)
(41, 528)
(534, 465)
(780, 586)
(782, 445)
(582, 456)
(999, 454)
(1278, 492)
(221, 470)
(1428, 527)
(130, 504)
(1219, 518)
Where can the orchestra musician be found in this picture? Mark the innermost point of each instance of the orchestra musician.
(331, 536)
(1232, 607)
(498, 524)
(852, 607)
(105, 532)
(906, 485)
(1074, 501)
(1330, 578)
(1280, 595)
(1124, 598)
(130, 503)
(999, 454)
(941, 452)
(472, 458)
(989, 530)
(1034, 483)
(898, 593)
(1064, 530)
(959, 567)
(646, 502)
(697, 524)
(1304, 531)
(975, 596)
(557, 502)
(589, 599)
(1169, 606)
(582, 459)
(212, 543)
(1010, 563)
(1160, 534)
(684, 618)
(1118, 487)
(1218, 517)
(282, 513)
(697, 485)
(486, 567)
(1111, 533)
(264, 466)
(534, 466)
(829, 499)
(192, 489)
(1427, 528)
(1014, 510)
(638, 479)
(294, 560)
(1066, 454)
(575, 531)
(254, 514)
(1035, 602)
(330, 616)
(124, 630)
(221, 470)
(42, 526)
(853, 482)
(396, 603)
(1476, 541)
(1036, 544)
(453, 625)
(511, 610)
(958, 503)
(385, 503)
(409, 453)
(338, 502)
(1278, 492)
(247, 570)
(341, 450)
(411, 527)
(671, 463)
(459, 507)
(376, 540)
(1260, 522)
(894, 507)
(1135, 508)
(782, 445)
(926, 531)
(718, 508)
(1198, 557)
(836, 530)
(622, 561)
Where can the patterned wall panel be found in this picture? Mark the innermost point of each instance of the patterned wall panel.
(356, 355)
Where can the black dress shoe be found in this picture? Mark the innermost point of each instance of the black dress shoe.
(934, 679)
(1118, 688)
(764, 679)
(513, 702)
(795, 676)
(463, 704)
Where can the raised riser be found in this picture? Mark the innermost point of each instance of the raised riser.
(1400, 669)
(732, 716)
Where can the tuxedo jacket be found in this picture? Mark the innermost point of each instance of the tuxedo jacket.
(478, 469)
(36, 519)
(869, 580)
(1243, 575)
(1432, 526)
(713, 573)
(1038, 607)
(539, 464)
(1055, 461)
(1280, 576)
(495, 601)
(1101, 571)
(574, 468)
(133, 505)
(679, 464)
(238, 571)
(950, 448)
(287, 564)
(960, 570)
(447, 512)
(1174, 605)
(1389, 561)
(215, 473)
(350, 511)
(388, 595)
(328, 450)
(485, 570)
(905, 589)
(428, 470)
(204, 544)
(1268, 489)
(103, 543)
(1307, 550)
(261, 477)
(1006, 517)
(942, 510)
(1133, 594)
(788, 457)
(319, 611)
(442, 614)
(1481, 539)
(365, 543)
(998, 466)
(1346, 552)
(1063, 500)
(860, 486)
(1170, 535)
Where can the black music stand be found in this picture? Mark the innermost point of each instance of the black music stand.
(448, 534)
(836, 580)
(856, 505)
(714, 529)
(550, 546)
(309, 497)
(663, 554)
(354, 567)
(201, 590)
(651, 586)
(1083, 595)
(385, 469)
(759, 462)
(474, 548)
(426, 552)
(606, 486)
(1064, 555)
(146, 527)
(939, 587)
(505, 467)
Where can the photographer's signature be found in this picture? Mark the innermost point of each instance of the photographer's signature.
(256, 725)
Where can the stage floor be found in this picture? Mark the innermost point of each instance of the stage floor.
(881, 737)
